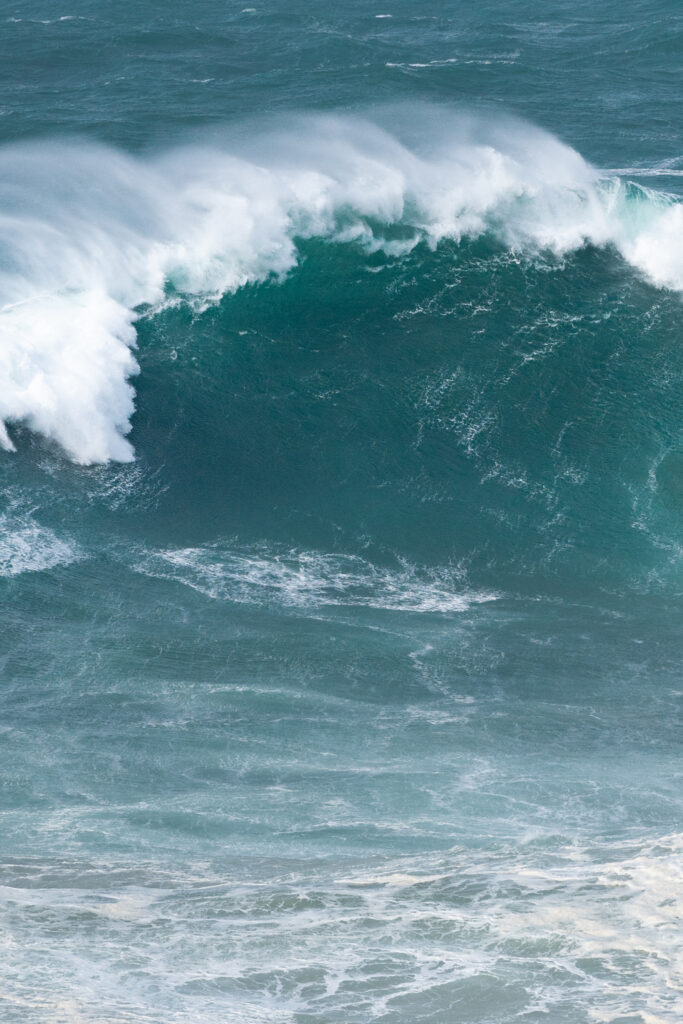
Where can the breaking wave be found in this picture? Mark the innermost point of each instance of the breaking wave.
(89, 236)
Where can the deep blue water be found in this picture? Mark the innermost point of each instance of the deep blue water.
(341, 544)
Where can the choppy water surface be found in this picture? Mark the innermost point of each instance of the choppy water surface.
(341, 539)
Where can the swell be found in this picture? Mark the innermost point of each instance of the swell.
(90, 237)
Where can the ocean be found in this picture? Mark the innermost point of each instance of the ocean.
(341, 536)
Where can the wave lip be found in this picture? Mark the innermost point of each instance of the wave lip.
(89, 237)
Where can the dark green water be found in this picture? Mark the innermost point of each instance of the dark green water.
(342, 543)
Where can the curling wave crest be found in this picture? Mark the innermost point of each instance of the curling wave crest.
(90, 236)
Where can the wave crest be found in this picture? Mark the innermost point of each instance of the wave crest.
(89, 236)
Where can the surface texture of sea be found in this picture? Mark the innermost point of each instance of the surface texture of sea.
(341, 538)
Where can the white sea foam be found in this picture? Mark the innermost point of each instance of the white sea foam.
(88, 236)
(630, 925)
(397, 879)
(300, 579)
(549, 927)
(606, 919)
(27, 547)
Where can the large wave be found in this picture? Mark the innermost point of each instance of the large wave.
(89, 236)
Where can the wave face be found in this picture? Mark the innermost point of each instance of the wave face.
(91, 237)
(341, 497)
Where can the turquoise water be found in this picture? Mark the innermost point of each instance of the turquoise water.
(341, 539)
